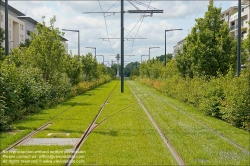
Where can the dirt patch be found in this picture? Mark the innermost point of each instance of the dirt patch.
(58, 134)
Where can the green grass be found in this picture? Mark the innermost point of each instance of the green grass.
(36, 155)
(79, 111)
(127, 138)
(196, 144)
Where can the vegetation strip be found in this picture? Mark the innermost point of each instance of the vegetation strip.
(86, 133)
(197, 144)
(171, 148)
(76, 121)
(128, 138)
(26, 137)
(204, 125)
(102, 121)
(36, 131)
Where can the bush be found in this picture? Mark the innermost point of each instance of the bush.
(87, 85)
(224, 97)
(22, 90)
(212, 97)
(236, 105)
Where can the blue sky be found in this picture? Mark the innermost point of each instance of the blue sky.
(177, 14)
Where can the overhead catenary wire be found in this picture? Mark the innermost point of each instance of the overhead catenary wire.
(141, 18)
(145, 5)
(143, 14)
(106, 25)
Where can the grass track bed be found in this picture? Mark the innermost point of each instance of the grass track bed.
(127, 138)
(73, 120)
(196, 144)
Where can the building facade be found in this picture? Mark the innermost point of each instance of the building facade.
(20, 27)
(16, 26)
(179, 47)
(231, 18)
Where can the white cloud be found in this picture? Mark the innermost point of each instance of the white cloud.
(177, 14)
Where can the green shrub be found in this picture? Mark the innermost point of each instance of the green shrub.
(235, 107)
(224, 97)
(211, 100)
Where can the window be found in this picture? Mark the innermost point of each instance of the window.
(28, 32)
(9, 23)
(21, 37)
(21, 27)
(9, 35)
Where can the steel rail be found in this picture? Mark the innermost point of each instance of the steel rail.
(87, 131)
(170, 147)
(34, 132)
(204, 125)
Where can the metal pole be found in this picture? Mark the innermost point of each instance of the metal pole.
(149, 53)
(6, 29)
(122, 47)
(165, 49)
(95, 52)
(78, 43)
(239, 39)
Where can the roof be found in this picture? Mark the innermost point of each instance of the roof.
(63, 39)
(245, 2)
(28, 19)
(13, 9)
(229, 9)
(35, 23)
(23, 16)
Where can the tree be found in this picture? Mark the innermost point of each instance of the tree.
(2, 54)
(111, 72)
(152, 69)
(131, 66)
(209, 48)
(89, 66)
(246, 48)
(114, 67)
(46, 49)
(26, 43)
(74, 69)
(162, 57)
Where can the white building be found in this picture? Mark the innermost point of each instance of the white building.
(231, 17)
(179, 47)
(30, 26)
(16, 26)
(20, 27)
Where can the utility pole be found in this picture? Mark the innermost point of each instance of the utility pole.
(122, 46)
(165, 63)
(78, 31)
(239, 40)
(122, 32)
(6, 28)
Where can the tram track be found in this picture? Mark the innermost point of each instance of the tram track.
(165, 140)
(36, 131)
(204, 125)
(245, 151)
(48, 123)
(87, 131)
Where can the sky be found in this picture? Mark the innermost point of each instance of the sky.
(93, 26)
